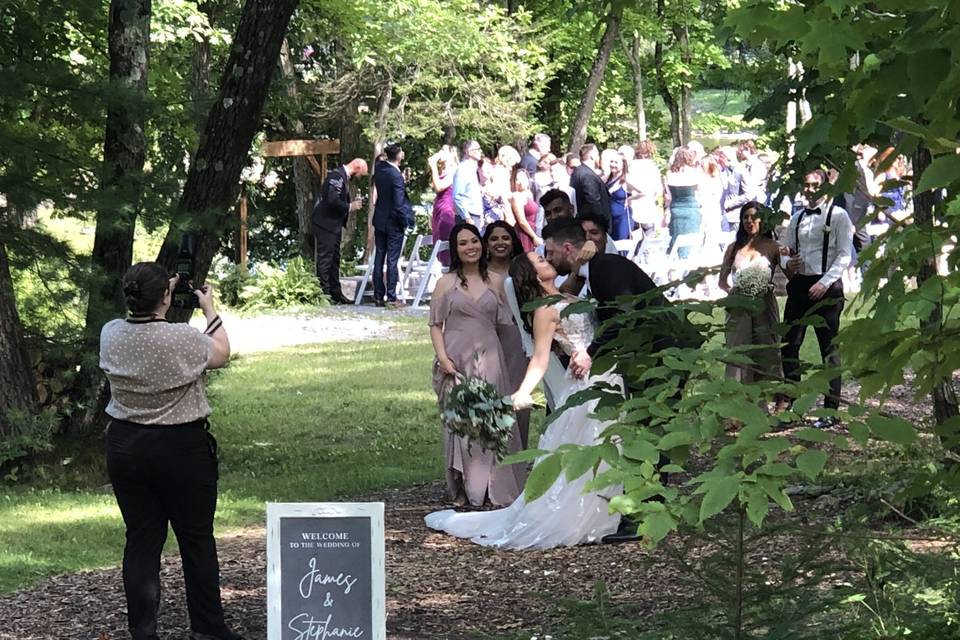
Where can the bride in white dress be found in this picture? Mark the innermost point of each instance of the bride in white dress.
(565, 515)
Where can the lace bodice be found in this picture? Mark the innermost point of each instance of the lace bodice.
(575, 332)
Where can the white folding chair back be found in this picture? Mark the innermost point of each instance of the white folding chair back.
(555, 378)
(367, 270)
(414, 263)
(429, 272)
(627, 247)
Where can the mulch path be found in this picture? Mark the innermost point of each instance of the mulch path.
(437, 587)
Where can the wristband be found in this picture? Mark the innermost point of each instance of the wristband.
(213, 325)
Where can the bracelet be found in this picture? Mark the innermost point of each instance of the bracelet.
(213, 325)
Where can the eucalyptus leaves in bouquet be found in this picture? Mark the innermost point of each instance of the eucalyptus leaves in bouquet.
(475, 410)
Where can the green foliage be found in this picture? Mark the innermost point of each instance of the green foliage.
(231, 280)
(293, 285)
(31, 434)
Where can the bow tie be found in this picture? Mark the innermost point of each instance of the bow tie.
(813, 212)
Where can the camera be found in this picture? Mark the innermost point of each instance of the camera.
(183, 295)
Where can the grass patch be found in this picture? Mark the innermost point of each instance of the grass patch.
(308, 423)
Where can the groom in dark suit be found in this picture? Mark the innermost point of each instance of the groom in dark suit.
(392, 214)
(608, 277)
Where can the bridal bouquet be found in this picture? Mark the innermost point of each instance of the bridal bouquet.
(752, 281)
(474, 409)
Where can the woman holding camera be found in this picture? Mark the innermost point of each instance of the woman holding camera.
(161, 458)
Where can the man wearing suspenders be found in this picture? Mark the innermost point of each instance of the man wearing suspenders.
(820, 238)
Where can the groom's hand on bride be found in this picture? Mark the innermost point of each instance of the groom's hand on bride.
(580, 363)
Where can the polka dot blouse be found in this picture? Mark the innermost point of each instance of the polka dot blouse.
(155, 371)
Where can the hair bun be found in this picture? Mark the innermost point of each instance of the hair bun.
(131, 289)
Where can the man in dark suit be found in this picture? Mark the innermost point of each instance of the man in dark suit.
(591, 193)
(609, 276)
(329, 215)
(392, 214)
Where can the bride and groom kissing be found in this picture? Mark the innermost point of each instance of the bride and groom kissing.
(565, 515)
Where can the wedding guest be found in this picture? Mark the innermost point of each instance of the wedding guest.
(524, 209)
(754, 248)
(467, 195)
(556, 203)
(502, 245)
(682, 181)
(392, 215)
(646, 189)
(571, 161)
(543, 178)
(611, 162)
(466, 313)
(749, 183)
(443, 164)
(590, 189)
(161, 456)
(330, 213)
(496, 201)
(539, 147)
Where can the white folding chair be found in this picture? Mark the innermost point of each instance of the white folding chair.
(367, 271)
(555, 378)
(429, 272)
(627, 247)
(413, 262)
(652, 257)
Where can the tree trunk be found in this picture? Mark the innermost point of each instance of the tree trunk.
(302, 172)
(578, 134)
(353, 144)
(213, 182)
(633, 55)
(18, 392)
(945, 404)
(124, 153)
(662, 88)
(383, 109)
(682, 37)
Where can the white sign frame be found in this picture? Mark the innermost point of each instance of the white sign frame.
(372, 510)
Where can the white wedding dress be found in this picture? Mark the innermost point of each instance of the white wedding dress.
(564, 515)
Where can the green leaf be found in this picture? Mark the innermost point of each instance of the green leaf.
(943, 171)
(859, 432)
(813, 435)
(776, 469)
(758, 505)
(656, 526)
(675, 439)
(542, 477)
(720, 492)
(579, 461)
(641, 450)
(526, 455)
(896, 430)
(811, 463)
(775, 491)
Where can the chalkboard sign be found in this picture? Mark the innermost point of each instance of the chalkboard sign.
(325, 571)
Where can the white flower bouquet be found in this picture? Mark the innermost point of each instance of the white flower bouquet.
(752, 281)
(475, 410)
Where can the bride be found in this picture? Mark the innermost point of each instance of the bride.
(565, 515)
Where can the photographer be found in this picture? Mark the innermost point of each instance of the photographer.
(161, 458)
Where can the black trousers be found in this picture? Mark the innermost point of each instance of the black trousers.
(388, 245)
(328, 261)
(799, 306)
(160, 475)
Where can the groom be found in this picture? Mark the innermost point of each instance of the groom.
(608, 277)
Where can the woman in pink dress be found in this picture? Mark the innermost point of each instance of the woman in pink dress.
(443, 164)
(523, 209)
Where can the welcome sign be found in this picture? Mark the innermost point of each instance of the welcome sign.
(325, 571)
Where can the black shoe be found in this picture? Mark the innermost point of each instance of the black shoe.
(626, 532)
(380, 303)
(341, 299)
(825, 422)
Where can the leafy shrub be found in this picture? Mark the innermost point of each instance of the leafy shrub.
(31, 434)
(230, 280)
(281, 288)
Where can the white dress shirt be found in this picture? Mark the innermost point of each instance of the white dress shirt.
(839, 247)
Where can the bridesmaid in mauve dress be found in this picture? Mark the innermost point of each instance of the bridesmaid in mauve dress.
(502, 245)
(443, 164)
(466, 314)
(524, 210)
